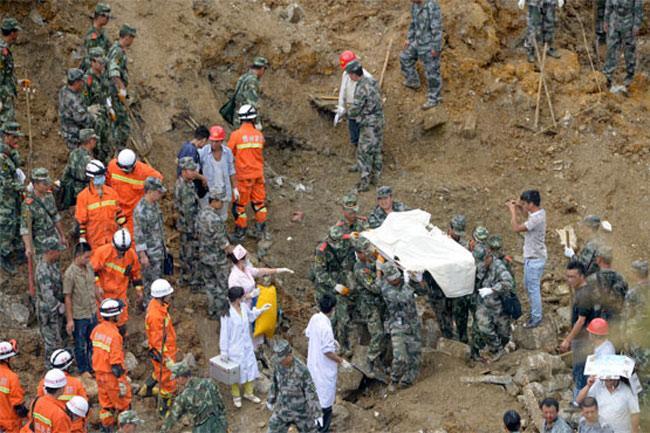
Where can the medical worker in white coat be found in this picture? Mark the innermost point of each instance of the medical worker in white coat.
(236, 343)
(322, 360)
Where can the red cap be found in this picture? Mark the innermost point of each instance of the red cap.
(217, 133)
(598, 326)
(346, 57)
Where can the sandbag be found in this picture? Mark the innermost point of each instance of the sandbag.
(266, 322)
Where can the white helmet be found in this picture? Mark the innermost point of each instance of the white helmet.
(247, 112)
(7, 350)
(126, 159)
(55, 378)
(95, 168)
(61, 359)
(122, 240)
(161, 288)
(78, 406)
(111, 307)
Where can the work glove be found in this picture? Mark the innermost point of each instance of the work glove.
(340, 111)
(560, 3)
(123, 389)
(345, 364)
(122, 95)
(285, 270)
(235, 194)
(269, 406)
(20, 175)
(486, 291)
(568, 252)
(521, 4)
(266, 307)
(83, 240)
(94, 110)
(117, 370)
(341, 290)
(169, 363)
(112, 115)
(319, 422)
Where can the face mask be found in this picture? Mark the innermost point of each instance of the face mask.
(99, 180)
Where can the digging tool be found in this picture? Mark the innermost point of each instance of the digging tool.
(383, 70)
(539, 86)
(584, 40)
(542, 62)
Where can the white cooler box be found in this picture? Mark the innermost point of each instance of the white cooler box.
(224, 371)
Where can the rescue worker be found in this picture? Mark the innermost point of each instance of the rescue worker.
(479, 239)
(247, 146)
(48, 414)
(97, 97)
(119, 76)
(424, 41)
(126, 175)
(98, 210)
(12, 397)
(199, 398)
(352, 222)
(77, 410)
(385, 205)
(8, 82)
(149, 234)
(623, 19)
(128, 420)
(588, 229)
(73, 113)
(96, 36)
(74, 177)
(248, 89)
(12, 185)
(292, 397)
(162, 345)
(186, 203)
(116, 266)
(113, 387)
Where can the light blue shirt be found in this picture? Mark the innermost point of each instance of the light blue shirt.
(218, 172)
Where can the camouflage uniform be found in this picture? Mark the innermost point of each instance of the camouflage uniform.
(43, 215)
(424, 36)
(623, 18)
(378, 215)
(599, 20)
(360, 223)
(73, 114)
(202, 400)
(213, 265)
(117, 62)
(186, 202)
(368, 112)
(492, 326)
(94, 38)
(74, 175)
(610, 290)
(96, 91)
(541, 26)
(294, 399)
(403, 324)
(149, 235)
(11, 190)
(248, 92)
(587, 256)
(8, 84)
(49, 297)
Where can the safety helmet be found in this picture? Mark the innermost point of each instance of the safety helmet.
(247, 112)
(122, 240)
(346, 57)
(61, 359)
(217, 133)
(7, 350)
(111, 307)
(598, 326)
(161, 288)
(78, 406)
(55, 378)
(126, 159)
(95, 168)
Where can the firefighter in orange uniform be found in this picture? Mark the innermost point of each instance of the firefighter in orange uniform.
(49, 414)
(12, 395)
(113, 387)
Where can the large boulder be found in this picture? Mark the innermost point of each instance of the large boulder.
(543, 337)
(454, 348)
(349, 379)
(538, 367)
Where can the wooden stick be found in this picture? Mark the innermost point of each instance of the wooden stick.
(326, 98)
(584, 40)
(539, 85)
(548, 94)
(383, 70)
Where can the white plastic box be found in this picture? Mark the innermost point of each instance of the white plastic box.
(224, 371)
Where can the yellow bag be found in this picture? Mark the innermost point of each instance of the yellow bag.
(265, 323)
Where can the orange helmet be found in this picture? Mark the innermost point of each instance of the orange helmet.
(217, 133)
(346, 57)
(598, 326)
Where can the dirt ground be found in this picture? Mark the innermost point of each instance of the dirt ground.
(187, 57)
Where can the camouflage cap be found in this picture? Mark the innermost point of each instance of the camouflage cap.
(86, 134)
(336, 233)
(75, 74)
(41, 174)
(10, 24)
(495, 242)
(102, 9)
(97, 53)
(154, 184)
(390, 271)
(187, 163)
(640, 266)
(363, 245)
(350, 202)
(384, 191)
(180, 369)
(12, 128)
(217, 194)
(129, 417)
(591, 221)
(458, 224)
(127, 30)
(281, 349)
(352, 66)
(260, 62)
(52, 244)
(481, 233)
(479, 253)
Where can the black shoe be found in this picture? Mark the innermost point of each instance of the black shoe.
(530, 324)
(531, 57)
(553, 53)
(411, 84)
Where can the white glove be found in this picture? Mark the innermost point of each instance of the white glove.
(339, 288)
(285, 270)
(94, 110)
(235, 193)
(345, 364)
(122, 93)
(269, 406)
(319, 422)
(254, 293)
(122, 387)
(19, 173)
(560, 3)
(340, 111)
(83, 240)
(568, 252)
(521, 4)
(266, 307)
(486, 291)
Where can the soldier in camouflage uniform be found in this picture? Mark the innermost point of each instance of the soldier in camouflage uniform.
(352, 222)
(461, 306)
(49, 297)
(39, 217)
(11, 189)
(495, 247)
(74, 177)
(186, 202)
(588, 229)
(73, 113)
(424, 41)
(385, 205)
(126, 418)
(623, 19)
(331, 272)
(8, 83)
(96, 96)
(213, 247)
(404, 327)
(248, 89)
(198, 398)
(368, 111)
(119, 76)
(637, 317)
(96, 36)
(292, 396)
(492, 326)
(541, 26)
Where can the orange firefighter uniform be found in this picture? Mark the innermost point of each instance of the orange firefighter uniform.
(48, 416)
(99, 217)
(114, 273)
(11, 395)
(73, 387)
(129, 186)
(114, 392)
(162, 345)
(247, 146)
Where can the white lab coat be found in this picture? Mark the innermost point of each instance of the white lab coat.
(236, 343)
(346, 91)
(322, 369)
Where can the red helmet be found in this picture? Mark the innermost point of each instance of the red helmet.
(598, 326)
(346, 57)
(217, 133)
